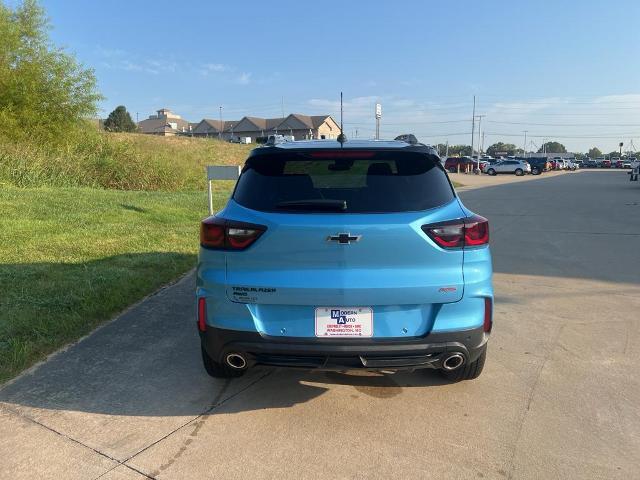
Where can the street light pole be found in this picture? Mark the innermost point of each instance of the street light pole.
(473, 130)
(524, 150)
(221, 125)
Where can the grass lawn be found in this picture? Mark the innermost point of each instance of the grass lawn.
(70, 258)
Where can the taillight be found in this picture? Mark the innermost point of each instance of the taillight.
(461, 233)
(202, 314)
(221, 234)
(476, 231)
(488, 315)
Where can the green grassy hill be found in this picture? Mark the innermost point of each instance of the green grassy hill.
(117, 161)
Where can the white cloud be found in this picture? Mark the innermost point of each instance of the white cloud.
(244, 78)
(210, 68)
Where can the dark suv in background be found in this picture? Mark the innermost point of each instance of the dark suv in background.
(538, 164)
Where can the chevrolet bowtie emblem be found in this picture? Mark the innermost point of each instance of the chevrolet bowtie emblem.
(344, 238)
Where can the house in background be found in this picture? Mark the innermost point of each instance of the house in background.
(214, 129)
(165, 123)
(301, 127)
(306, 127)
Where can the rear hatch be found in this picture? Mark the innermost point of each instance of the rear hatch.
(343, 229)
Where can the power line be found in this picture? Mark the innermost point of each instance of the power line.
(568, 124)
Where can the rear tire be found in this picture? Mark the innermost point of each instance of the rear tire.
(491, 171)
(218, 370)
(468, 371)
(519, 172)
(535, 171)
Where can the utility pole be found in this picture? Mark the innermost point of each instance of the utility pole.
(473, 130)
(447, 152)
(480, 117)
(525, 144)
(221, 125)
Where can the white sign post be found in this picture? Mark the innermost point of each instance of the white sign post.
(220, 172)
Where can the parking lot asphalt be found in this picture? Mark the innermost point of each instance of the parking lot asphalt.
(558, 398)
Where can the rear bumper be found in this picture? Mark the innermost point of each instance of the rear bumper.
(343, 354)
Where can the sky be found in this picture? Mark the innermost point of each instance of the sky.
(560, 70)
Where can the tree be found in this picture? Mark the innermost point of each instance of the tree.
(44, 92)
(500, 148)
(552, 147)
(461, 150)
(594, 152)
(119, 121)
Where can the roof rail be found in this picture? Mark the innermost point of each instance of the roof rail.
(408, 138)
(275, 139)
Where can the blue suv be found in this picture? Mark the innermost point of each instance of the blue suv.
(340, 256)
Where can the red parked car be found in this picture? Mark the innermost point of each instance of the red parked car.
(606, 163)
(619, 164)
(465, 163)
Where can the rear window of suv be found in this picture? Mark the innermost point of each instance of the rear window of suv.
(343, 181)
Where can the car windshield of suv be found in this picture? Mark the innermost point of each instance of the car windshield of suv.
(343, 181)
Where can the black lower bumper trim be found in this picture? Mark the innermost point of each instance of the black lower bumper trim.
(340, 354)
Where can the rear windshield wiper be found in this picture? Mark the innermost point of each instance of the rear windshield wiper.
(313, 204)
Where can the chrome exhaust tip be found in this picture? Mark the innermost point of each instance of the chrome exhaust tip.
(236, 361)
(453, 361)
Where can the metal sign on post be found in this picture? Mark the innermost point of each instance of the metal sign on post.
(220, 172)
(378, 116)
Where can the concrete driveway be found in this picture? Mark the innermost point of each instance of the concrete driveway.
(559, 397)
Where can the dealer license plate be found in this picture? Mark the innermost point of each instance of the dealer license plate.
(355, 322)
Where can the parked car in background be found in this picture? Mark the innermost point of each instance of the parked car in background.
(573, 166)
(628, 162)
(538, 164)
(591, 163)
(518, 167)
(599, 161)
(461, 164)
(606, 164)
(619, 164)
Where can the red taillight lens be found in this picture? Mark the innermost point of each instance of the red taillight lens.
(219, 233)
(465, 232)
(202, 314)
(488, 315)
(212, 232)
(476, 231)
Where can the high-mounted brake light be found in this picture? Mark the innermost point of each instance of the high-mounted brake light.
(343, 154)
(462, 233)
(221, 234)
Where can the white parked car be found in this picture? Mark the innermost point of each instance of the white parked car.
(518, 167)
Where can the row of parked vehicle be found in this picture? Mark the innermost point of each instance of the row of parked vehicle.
(513, 165)
(602, 162)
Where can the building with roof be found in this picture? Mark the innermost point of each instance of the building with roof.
(214, 128)
(301, 127)
(165, 123)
